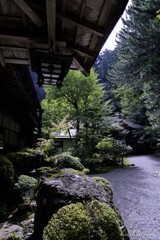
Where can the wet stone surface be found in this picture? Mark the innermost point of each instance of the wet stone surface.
(137, 195)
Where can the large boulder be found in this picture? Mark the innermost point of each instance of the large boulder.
(63, 190)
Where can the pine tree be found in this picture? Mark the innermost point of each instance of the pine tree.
(137, 70)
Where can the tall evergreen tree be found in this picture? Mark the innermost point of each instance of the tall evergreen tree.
(137, 68)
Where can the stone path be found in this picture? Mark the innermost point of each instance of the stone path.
(137, 196)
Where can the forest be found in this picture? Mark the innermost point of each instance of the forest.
(114, 112)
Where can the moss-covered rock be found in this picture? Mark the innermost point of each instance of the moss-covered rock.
(65, 160)
(92, 220)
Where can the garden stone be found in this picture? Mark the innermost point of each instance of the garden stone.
(68, 188)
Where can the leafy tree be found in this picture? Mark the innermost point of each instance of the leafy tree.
(82, 98)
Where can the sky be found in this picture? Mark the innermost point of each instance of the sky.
(111, 41)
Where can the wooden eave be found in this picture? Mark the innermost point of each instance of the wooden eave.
(67, 27)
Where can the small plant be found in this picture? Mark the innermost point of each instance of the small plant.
(65, 160)
(92, 220)
(14, 236)
(105, 184)
(26, 185)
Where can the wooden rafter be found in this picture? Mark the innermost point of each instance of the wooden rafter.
(35, 43)
(81, 50)
(51, 22)
(80, 23)
(29, 12)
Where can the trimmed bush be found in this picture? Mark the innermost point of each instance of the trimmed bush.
(6, 171)
(93, 220)
(105, 184)
(26, 185)
(65, 160)
(25, 160)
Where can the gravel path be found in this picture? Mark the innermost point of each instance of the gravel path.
(137, 196)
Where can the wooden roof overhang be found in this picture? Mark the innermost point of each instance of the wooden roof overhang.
(76, 28)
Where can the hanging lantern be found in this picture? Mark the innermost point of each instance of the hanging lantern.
(50, 68)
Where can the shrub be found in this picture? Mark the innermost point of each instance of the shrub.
(26, 185)
(14, 236)
(113, 151)
(91, 163)
(6, 171)
(65, 160)
(93, 220)
(105, 184)
(25, 160)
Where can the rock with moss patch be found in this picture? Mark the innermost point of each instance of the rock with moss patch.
(63, 190)
(91, 220)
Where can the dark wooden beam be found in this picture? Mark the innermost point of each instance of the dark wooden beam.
(81, 50)
(105, 12)
(80, 23)
(17, 61)
(51, 22)
(29, 12)
(35, 43)
(80, 66)
(2, 60)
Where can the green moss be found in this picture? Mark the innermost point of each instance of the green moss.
(93, 220)
(103, 183)
(65, 160)
(65, 170)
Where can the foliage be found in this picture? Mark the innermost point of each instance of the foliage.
(102, 66)
(26, 185)
(78, 95)
(103, 183)
(14, 236)
(93, 220)
(81, 103)
(136, 71)
(65, 160)
(92, 163)
(25, 160)
(113, 150)
(6, 171)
